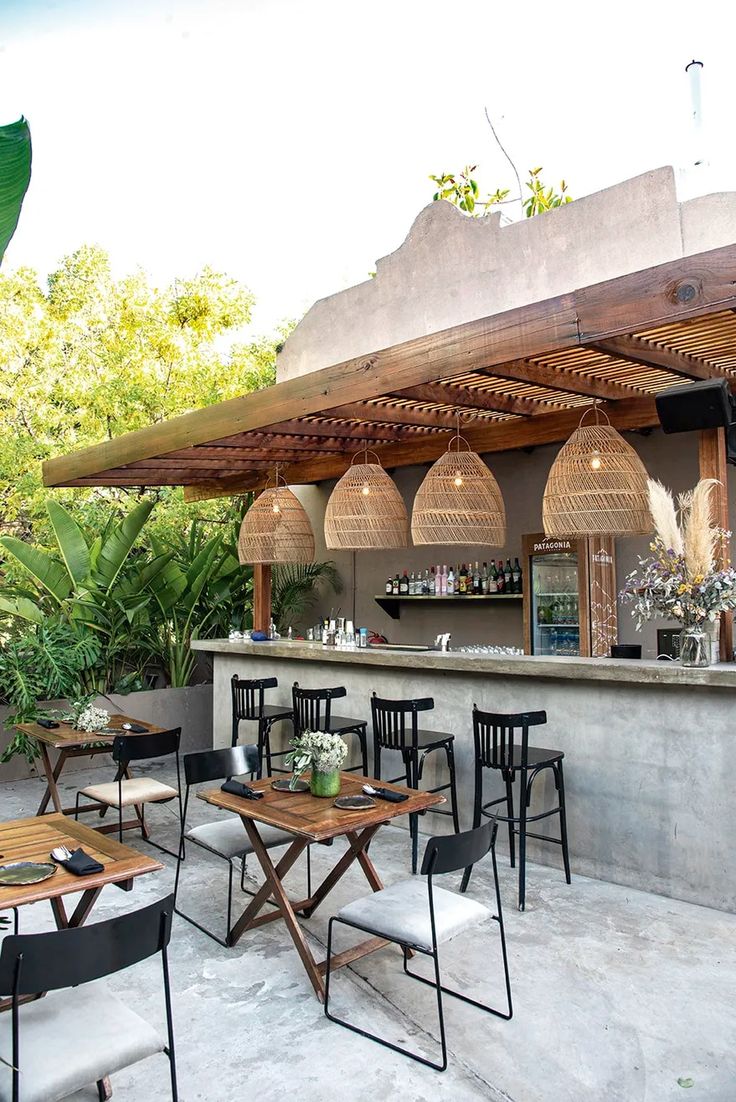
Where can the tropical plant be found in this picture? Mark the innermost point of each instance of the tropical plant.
(42, 662)
(15, 176)
(462, 190)
(296, 588)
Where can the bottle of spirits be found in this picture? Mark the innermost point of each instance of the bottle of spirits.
(443, 581)
(389, 587)
(438, 580)
(404, 585)
(413, 585)
(516, 577)
(507, 576)
(462, 582)
(396, 585)
(484, 580)
(492, 578)
(450, 582)
(500, 580)
(477, 588)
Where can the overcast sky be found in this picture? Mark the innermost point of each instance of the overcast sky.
(288, 143)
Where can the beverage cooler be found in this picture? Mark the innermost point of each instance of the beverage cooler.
(569, 595)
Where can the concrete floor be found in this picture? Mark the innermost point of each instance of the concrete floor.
(617, 993)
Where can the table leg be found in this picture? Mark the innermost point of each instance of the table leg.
(264, 893)
(284, 904)
(52, 776)
(81, 911)
(356, 851)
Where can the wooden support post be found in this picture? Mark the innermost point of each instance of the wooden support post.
(261, 597)
(712, 462)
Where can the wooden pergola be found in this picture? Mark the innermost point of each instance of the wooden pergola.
(524, 375)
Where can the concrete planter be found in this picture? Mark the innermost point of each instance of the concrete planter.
(190, 709)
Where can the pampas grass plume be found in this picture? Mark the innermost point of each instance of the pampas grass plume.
(664, 516)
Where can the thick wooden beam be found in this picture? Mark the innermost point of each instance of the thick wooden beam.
(712, 464)
(557, 378)
(547, 428)
(261, 597)
(640, 351)
(467, 397)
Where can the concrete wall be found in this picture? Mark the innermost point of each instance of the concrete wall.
(452, 269)
(522, 477)
(190, 709)
(647, 767)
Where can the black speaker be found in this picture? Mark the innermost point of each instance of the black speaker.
(703, 405)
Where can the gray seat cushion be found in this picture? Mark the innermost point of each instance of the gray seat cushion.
(402, 912)
(227, 837)
(70, 1039)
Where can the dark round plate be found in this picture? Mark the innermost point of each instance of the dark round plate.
(26, 872)
(354, 803)
(285, 786)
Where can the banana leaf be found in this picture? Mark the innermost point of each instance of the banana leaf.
(72, 544)
(48, 572)
(15, 176)
(118, 544)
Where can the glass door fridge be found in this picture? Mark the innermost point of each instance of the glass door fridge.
(556, 606)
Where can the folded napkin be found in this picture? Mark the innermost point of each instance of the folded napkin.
(390, 795)
(235, 788)
(81, 864)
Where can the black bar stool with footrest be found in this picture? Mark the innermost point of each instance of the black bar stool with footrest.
(391, 718)
(313, 712)
(249, 704)
(495, 749)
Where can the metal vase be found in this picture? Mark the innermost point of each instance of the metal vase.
(694, 647)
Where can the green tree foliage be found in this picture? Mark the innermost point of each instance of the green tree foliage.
(90, 357)
(462, 190)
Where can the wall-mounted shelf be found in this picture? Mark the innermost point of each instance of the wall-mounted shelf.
(392, 605)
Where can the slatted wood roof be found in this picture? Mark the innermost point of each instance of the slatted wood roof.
(517, 379)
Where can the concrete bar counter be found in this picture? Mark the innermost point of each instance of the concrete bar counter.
(648, 746)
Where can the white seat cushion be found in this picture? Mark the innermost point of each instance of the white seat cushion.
(70, 1039)
(402, 912)
(137, 790)
(227, 837)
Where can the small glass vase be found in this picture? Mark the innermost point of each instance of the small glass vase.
(694, 646)
(323, 783)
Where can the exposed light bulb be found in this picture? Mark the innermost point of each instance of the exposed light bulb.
(458, 478)
(595, 461)
(276, 507)
(366, 490)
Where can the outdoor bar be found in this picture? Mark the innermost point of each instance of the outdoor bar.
(500, 342)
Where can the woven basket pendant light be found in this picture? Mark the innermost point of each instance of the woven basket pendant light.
(459, 501)
(366, 511)
(276, 529)
(597, 486)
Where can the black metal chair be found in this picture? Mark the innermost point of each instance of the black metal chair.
(396, 727)
(313, 712)
(138, 791)
(495, 748)
(421, 920)
(80, 1032)
(249, 704)
(226, 838)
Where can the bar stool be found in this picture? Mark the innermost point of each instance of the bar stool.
(248, 697)
(390, 733)
(495, 749)
(312, 710)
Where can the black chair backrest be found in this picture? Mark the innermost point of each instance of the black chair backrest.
(248, 696)
(65, 958)
(494, 734)
(452, 852)
(313, 707)
(139, 747)
(216, 765)
(391, 718)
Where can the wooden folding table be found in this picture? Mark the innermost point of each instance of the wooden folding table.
(312, 819)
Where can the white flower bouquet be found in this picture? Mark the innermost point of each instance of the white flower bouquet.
(318, 751)
(85, 717)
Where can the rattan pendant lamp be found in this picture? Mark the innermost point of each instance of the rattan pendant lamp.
(276, 528)
(459, 501)
(366, 512)
(597, 485)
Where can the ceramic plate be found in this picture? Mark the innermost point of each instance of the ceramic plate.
(26, 872)
(285, 786)
(354, 803)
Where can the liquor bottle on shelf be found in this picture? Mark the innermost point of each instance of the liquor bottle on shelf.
(516, 577)
(443, 581)
(500, 579)
(508, 577)
(492, 579)
(484, 579)
(462, 581)
(477, 587)
(438, 580)
(450, 583)
(404, 585)
(396, 586)
(389, 587)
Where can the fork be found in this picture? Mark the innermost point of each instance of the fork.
(61, 853)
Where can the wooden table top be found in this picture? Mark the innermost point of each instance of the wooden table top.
(33, 840)
(67, 737)
(315, 817)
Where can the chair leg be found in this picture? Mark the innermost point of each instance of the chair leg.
(523, 795)
(377, 759)
(477, 804)
(510, 813)
(563, 822)
(362, 735)
(412, 781)
(450, 752)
